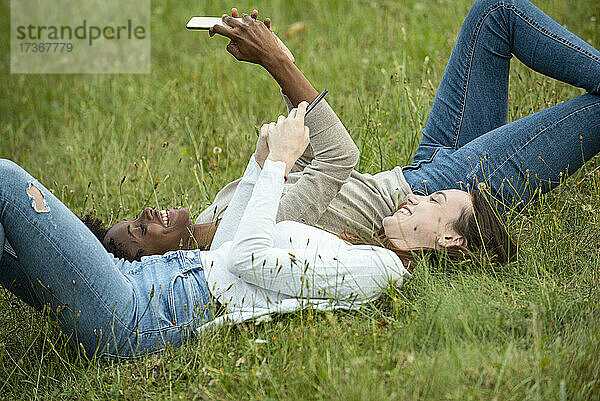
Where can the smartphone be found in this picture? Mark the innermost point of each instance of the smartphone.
(315, 102)
(308, 109)
(205, 23)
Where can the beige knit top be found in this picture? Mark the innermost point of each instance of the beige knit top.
(323, 189)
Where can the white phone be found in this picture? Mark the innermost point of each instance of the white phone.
(205, 23)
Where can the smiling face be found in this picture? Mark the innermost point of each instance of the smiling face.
(427, 221)
(154, 232)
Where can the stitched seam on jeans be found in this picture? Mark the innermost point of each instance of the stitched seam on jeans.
(138, 352)
(421, 162)
(468, 70)
(533, 24)
(549, 34)
(10, 251)
(541, 132)
(67, 261)
(171, 294)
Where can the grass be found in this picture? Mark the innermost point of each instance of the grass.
(112, 144)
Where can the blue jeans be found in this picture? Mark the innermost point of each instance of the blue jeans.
(110, 307)
(467, 140)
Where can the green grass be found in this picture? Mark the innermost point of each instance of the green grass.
(530, 330)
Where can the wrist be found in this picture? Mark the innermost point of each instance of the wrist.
(277, 64)
(274, 157)
(292, 81)
(288, 165)
(259, 159)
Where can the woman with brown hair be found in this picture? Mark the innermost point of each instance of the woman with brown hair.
(256, 265)
(470, 165)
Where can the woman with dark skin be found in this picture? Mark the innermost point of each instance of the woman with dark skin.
(109, 307)
(150, 235)
(256, 265)
(467, 139)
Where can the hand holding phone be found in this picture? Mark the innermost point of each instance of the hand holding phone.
(250, 32)
(205, 23)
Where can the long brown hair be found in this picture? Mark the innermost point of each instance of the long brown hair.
(482, 228)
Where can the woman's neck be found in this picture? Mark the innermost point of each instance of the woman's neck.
(199, 236)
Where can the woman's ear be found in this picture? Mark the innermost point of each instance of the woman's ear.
(451, 239)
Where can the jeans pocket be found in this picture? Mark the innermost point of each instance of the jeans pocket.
(184, 299)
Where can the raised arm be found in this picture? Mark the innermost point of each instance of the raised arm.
(254, 42)
(231, 219)
(331, 156)
(325, 166)
(286, 141)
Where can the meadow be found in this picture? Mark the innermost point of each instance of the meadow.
(112, 144)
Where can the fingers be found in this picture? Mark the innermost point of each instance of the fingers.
(254, 15)
(298, 112)
(271, 129)
(232, 22)
(247, 19)
(221, 30)
(236, 14)
(264, 130)
(280, 120)
(301, 110)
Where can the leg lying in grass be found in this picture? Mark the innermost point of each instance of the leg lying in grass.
(53, 260)
(467, 144)
(111, 307)
(467, 140)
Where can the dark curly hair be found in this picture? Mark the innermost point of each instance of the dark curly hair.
(97, 227)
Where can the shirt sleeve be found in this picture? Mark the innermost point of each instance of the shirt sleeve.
(326, 165)
(231, 218)
(324, 168)
(330, 268)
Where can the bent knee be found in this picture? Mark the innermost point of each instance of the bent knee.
(8, 167)
(11, 172)
(481, 6)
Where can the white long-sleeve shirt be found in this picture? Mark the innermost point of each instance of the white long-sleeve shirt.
(272, 267)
